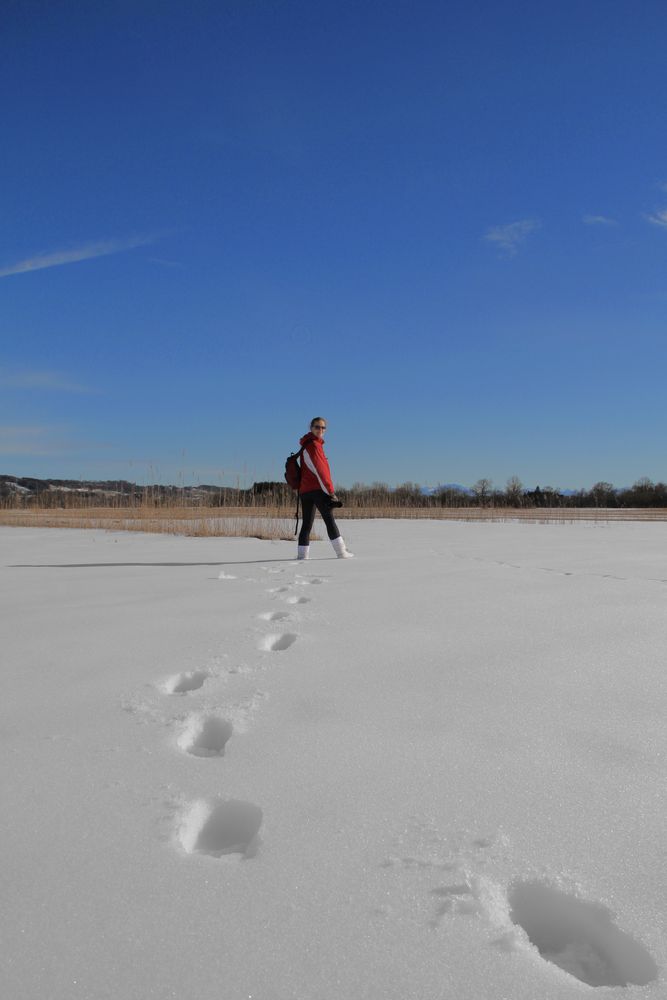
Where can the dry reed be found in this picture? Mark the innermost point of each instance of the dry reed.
(278, 522)
(192, 522)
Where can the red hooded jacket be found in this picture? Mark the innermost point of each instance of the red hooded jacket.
(315, 471)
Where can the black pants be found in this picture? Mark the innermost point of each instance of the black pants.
(316, 499)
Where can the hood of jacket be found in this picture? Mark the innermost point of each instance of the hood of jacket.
(310, 438)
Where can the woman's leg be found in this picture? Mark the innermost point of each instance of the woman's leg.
(307, 516)
(321, 501)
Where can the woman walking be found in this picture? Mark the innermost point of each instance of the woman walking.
(317, 491)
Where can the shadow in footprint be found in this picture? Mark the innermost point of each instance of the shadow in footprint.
(297, 600)
(190, 680)
(579, 937)
(221, 826)
(274, 616)
(206, 736)
(276, 643)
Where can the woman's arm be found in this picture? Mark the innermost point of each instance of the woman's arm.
(316, 461)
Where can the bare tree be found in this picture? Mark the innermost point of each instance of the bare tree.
(514, 491)
(551, 496)
(482, 490)
(603, 495)
(642, 493)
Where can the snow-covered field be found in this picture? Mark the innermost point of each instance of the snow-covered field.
(227, 775)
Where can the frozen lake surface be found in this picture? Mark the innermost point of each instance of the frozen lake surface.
(434, 771)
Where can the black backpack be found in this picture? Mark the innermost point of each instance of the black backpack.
(293, 470)
(293, 479)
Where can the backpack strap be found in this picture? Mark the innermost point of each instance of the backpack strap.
(298, 496)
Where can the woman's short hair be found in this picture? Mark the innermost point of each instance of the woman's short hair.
(316, 420)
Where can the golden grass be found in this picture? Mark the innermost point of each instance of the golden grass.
(278, 522)
(189, 521)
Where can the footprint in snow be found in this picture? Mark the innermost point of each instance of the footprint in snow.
(274, 616)
(297, 600)
(304, 581)
(205, 735)
(579, 937)
(278, 590)
(459, 898)
(276, 643)
(219, 826)
(190, 680)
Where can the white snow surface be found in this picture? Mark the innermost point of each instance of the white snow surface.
(434, 771)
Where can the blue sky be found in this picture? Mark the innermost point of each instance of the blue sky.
(443, 226)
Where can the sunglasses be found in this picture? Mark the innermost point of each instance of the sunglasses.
(319, 427)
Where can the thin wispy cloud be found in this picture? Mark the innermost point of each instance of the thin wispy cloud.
(508, 239)
(28, 440)
(164, 262)
(598, 220)
(30, 379)
(38, 439)
(658, 218)
(86, 252)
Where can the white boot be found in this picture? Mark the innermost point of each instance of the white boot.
(339, 548)
(302, 551)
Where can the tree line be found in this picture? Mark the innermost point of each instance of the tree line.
(59, 493)
(644, 493)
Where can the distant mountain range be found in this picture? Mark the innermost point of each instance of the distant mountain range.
(28, 486)
(109, 489)
(432, 490)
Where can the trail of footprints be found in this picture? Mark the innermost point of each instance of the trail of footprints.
(532, 915)
(218, 826)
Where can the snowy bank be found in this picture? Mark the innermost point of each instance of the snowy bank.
(434, 771)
